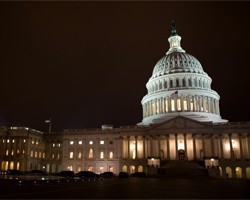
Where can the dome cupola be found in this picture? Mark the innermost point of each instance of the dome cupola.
(179, 87)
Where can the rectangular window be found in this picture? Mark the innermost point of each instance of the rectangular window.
(101, 142)
(43, 155)
(80, 142)
(178, 104)
(53, 156)
(40, 155)
(111, 154)
(185, 105)
(7, 152)
(71, 154)
(58, 156)
(101, 154)
(53, 144)
(12, 152)
(172, 105)
(31, 153)
(36, 154)
(79, 155)
(166, 105)
(71, 142)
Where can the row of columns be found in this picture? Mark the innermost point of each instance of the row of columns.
(190, 103)
(220, 148)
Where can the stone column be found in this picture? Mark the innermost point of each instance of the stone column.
(121, 148)
(168, 147)
(203, 146)
(144, 148)
(231, 145)
(159, 146)
(169, 104)
(163, 105)
(240, 146)
(212, 145)
(194, 147)
(128, 146)
(175, 104)
(176, 146)
(221, 148)
(188, 103)
(185, 146)
(136, 137)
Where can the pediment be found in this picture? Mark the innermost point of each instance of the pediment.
(180, 123)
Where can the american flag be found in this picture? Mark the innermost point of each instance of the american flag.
(175, 94)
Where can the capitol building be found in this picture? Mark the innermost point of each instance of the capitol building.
(181, 129)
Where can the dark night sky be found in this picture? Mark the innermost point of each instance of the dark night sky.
(85, 64)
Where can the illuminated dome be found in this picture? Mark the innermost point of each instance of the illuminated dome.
(179, 87)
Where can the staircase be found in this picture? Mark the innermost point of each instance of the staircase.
(183, 169)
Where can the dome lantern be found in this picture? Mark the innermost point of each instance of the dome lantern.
(174, 40)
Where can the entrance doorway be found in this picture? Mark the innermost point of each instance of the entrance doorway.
(181, 154)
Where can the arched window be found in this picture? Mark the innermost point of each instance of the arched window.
(140, 168)
(160, 86)
(179, 104)
(228, 172)
(171, 83)
(248, 172)
(184, 104)
(189, 82)
(165, 84)
(132, 169)
(238, 171)
(183, 83)
(124, 168)
(177, 83)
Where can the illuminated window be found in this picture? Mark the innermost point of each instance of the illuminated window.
(91, 153)
(53, 156)
(101, 142)
(59, 144)
(36, 142)
(12, 152)
(17, 165)
(157, 107)
(58, 156)
(23, 152)
(40, 154)
(8, 141)
(166, 105)
(111, 168)
(172, 105)
(111, 154)
(90, 142)
(90, 168)
(71, 154)
(24, 141)
(13, 141)
(178, 104)
(191, 104)
(101, 154)
(71, 142)
(32, 141)
(31, 153)
(43, 155)
(79, 155)
(53, 144)
(80, 142)
(101, 169)
(11, 165)
(7, 152)
(17, 151)
(3, 141)
(185, 105)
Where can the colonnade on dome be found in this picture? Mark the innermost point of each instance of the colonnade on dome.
(195, 103)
